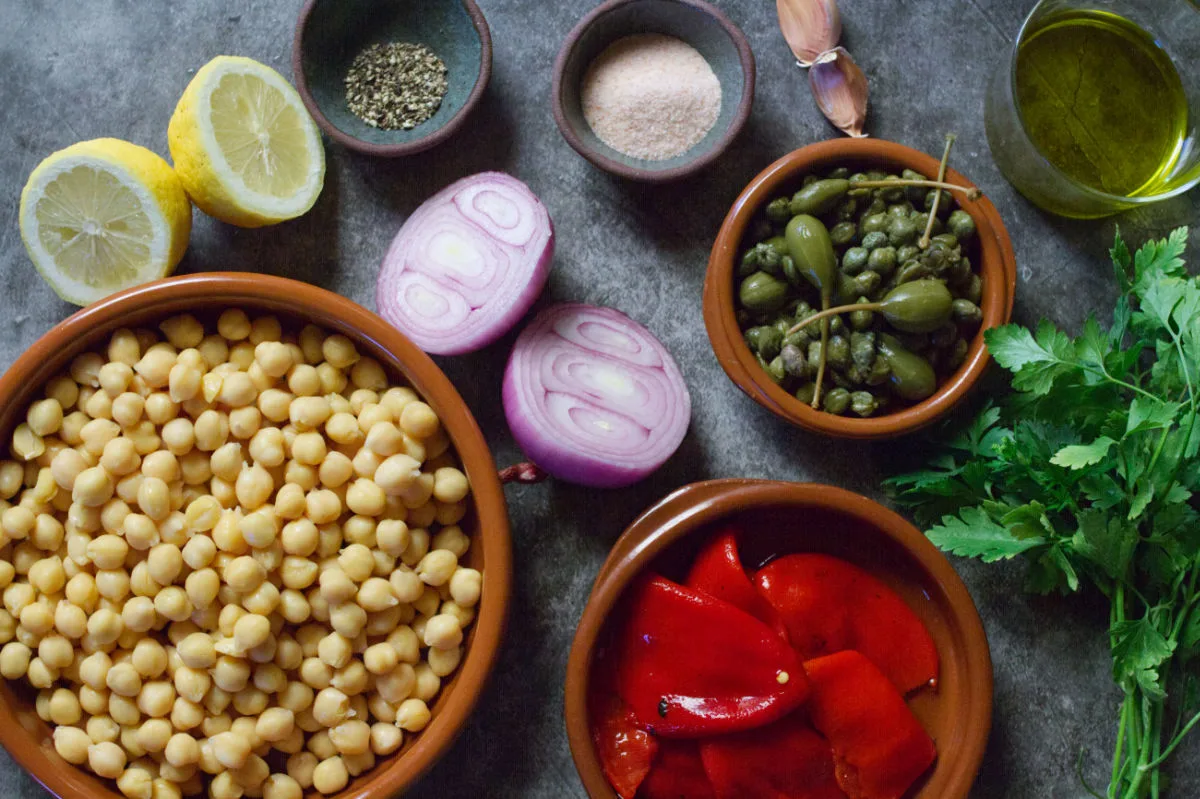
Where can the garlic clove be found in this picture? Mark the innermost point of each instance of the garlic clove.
(840, 89)
(811, 27)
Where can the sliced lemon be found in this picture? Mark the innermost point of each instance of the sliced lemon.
(244, 146)
(101, 216)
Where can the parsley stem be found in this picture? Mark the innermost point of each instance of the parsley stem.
(1178, 739)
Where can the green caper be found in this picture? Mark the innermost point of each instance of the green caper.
(957, 355)
(944, 206)
(961, 225)
(819, 197)
(839, 351)
(798, 339)
(874, 223)
(777, 210)
(783, 323)
(863, 403)
(839, 173)
(912, 270)
(966, 312)
(912, 377)
(959, 271)
(809, 245)
(947, 240)
(843, 233)
(846, 210)
(915, 194)
(882, 260)
(854, 180)
(974, 289)
(794, 363)
(921, 219)
(787, 265)
(763, 257)
(855, 375)
(901, 231)
(862, 349)
(875, 240)
(806, 393)
(841, 378)
(865, 284)
(877, 175)
(919, 306)
(860, 320)
(814, 351)
(775, 370)
(892, 194)
(762, 293)
(836, 401)
(907, 253)
(837, 327)
(879, 372)
(913, 342)
(854, 260)
(902, 209)
(876, 206)
(765, 340)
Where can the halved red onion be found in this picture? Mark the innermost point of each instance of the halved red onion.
(467, 264)
(593, 397)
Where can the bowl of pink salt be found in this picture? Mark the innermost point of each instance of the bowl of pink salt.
(653, 90)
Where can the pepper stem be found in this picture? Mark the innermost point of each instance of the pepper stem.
(828, 312)
(971, 192)
(923, 242)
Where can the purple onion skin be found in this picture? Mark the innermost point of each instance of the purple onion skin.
(571, 463)
(505, 318)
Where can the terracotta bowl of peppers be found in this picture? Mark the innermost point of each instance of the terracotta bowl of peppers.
(752, 638)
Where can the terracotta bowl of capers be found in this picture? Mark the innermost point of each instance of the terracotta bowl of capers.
(848, 289)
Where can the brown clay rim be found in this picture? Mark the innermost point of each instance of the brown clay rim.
(27, 738)
(431, 139)
(997, 266)
(698, 505)
(745, 102)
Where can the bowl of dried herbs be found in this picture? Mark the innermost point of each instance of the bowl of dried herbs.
(391, 79)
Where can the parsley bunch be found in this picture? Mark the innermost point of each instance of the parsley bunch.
(1089, 471)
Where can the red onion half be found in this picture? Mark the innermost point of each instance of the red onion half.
(467, 264)
(593, 397)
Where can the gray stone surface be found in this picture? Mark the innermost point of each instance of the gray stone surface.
(77, 70)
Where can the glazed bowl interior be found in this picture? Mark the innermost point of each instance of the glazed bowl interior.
(991, 253)
(699, 24)
(28, 738)
(331, 33)
(777, 519)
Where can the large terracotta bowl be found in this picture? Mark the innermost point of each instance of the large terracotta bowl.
(994, 260)
(777, 519)
(27, 737)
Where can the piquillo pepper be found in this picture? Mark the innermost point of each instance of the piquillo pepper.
(690, 665)
(829, 605)
(718, 571)
(626, 751)
(784, 760)
(879, 746)
(678, 773)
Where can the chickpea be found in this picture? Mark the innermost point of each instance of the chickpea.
(330, 775)
(437, 567)
(106, 759)
(230, 750)
(72, 744)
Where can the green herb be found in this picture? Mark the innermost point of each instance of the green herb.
(1088, 470)
(396, 85)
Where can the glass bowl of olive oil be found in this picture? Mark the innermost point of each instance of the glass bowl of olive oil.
(1100, 108)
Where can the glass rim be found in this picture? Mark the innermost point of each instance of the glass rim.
(1088, 191)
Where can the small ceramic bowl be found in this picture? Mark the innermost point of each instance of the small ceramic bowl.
(993, 258)
(28, 738)
(778, 519)
(330, 33)
(696, 22)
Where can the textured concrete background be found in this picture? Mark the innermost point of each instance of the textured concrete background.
(77, 70)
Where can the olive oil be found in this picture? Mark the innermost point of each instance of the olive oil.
(1101, 101)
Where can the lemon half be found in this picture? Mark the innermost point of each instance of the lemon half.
(244, 145)
(101, 216)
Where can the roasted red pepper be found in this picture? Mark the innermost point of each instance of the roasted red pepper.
(690, 665)
(879, 746)
(718, 571)
(829, 605)
(784, 760)
(677, 774)
(624, 748)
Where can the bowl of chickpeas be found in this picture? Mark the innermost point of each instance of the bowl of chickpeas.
(252, 543)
